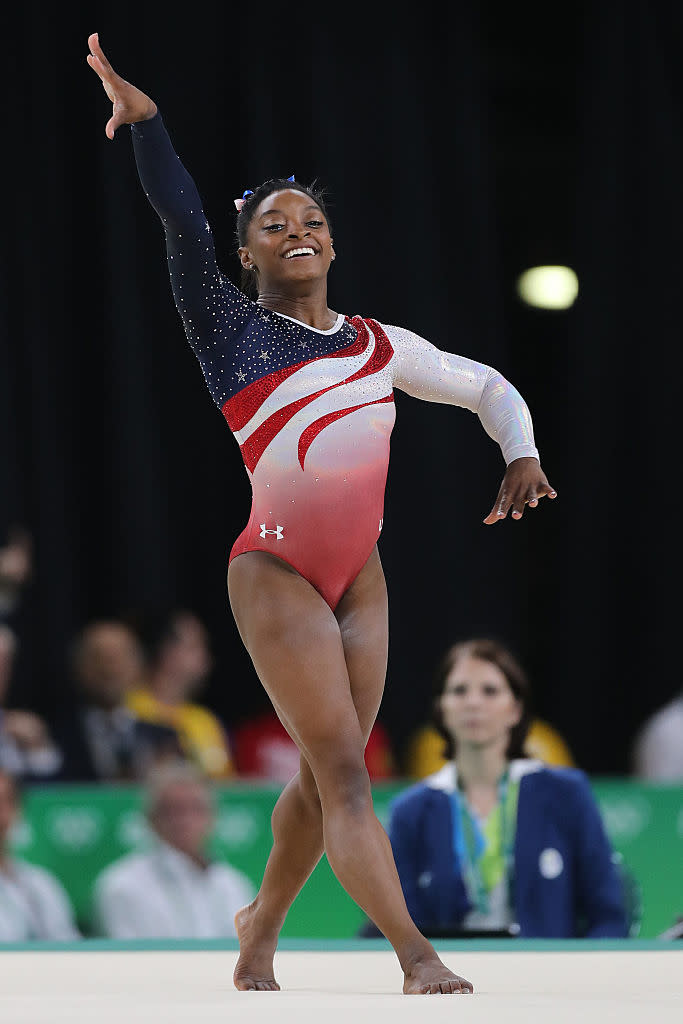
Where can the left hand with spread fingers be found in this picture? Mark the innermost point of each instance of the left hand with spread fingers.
(524, 483)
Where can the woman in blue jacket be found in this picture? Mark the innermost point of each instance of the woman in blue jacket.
(495, 841)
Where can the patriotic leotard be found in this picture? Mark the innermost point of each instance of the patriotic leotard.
(312, 411)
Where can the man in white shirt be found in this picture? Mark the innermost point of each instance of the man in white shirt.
(33, 903)
(172, 890)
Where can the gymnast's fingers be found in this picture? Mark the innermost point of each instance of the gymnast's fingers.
(530, 499)
(97, 52)
(547, 489)
(500, 508)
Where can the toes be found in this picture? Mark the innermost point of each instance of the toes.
(250, 985)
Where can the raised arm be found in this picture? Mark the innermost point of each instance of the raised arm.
(424, 371)
(203, 296)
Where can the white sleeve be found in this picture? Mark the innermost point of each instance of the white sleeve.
(424, 371)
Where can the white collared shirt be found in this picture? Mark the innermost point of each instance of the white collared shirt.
(34, 906)
(162, 893)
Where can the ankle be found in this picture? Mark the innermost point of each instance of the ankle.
(268, 921)
(414, 952)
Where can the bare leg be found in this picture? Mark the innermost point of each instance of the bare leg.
(297, 816)
(296, 645)
(297, 848)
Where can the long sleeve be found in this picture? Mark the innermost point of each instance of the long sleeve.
(424, 371)
(213, 310)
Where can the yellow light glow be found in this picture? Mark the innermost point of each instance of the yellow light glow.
(548, 287)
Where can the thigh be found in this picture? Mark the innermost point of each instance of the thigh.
(363, 619)
(295, 644)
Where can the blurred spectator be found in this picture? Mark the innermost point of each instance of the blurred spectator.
(33, 903)
(494, 841)
(15, 570)
(178, 662)
(172, 890)
(101, 739)
(658, 747)
(26, 749)
(264, 750)
(426, 749)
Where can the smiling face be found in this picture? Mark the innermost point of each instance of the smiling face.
(478, 707)
(288, 242)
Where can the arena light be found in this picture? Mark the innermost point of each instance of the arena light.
(553, 287)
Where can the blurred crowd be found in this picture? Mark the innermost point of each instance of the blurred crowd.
(137, 716)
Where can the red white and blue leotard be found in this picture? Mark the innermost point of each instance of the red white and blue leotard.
(312, 411)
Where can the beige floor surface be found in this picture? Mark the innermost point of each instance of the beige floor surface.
(330, 988)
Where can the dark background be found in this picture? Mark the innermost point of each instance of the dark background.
(458, 150)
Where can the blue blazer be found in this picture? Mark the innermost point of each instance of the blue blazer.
(566, 884)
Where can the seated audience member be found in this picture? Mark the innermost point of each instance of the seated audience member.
(178, 661)
(101, 739)
(495, 841)
(172, 890)
(33, 903)
(26, 748)
(658, 747)
(264, 750)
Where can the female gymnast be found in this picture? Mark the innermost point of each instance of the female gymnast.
(307, 393)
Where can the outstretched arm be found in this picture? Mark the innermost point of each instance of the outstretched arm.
(206, 300)
(424, 371)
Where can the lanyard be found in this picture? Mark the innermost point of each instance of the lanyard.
(470, 843)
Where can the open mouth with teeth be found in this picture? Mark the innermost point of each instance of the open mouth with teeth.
(306, 251)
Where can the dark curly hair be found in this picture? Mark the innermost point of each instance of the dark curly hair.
(316, 193)
(486, 649)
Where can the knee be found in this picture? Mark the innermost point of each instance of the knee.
(343, 780)
(308, 790)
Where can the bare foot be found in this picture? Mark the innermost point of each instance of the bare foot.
(429, 976)
(254, 970)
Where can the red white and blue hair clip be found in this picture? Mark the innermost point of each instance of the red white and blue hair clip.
(239, 203)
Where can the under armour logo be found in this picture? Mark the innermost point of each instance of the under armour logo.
(380, 525)
(277, 532)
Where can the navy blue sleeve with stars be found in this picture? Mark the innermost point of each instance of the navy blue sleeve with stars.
(235, 340)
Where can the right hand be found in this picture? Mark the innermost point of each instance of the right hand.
(130, 104)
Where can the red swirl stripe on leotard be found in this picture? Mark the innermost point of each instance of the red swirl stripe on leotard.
(253, 447)
(239, 409)
(311, 432)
